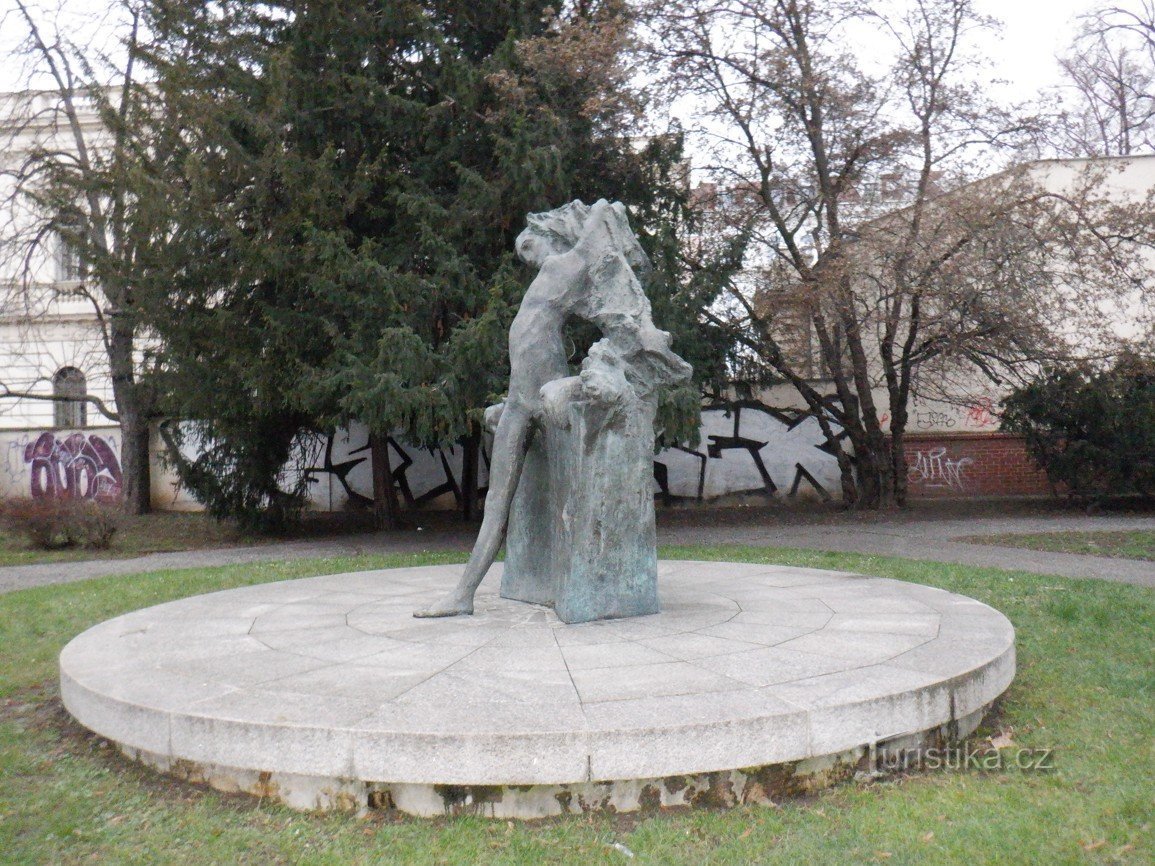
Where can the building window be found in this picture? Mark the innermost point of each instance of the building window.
(69, 265)
(71, 412)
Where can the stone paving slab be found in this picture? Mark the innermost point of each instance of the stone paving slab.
(332, 678)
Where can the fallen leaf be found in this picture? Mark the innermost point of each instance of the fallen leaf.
(883, 855)
(926, 837)
(1002, 741)
(746, 832)
(1091, 846)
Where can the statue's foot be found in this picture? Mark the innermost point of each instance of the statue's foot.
(451, 605)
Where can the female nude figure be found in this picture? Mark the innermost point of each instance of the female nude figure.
(586, 258)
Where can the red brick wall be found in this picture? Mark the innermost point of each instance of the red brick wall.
(971, 464)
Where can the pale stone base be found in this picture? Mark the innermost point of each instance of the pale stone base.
(749, 786)
(755, 682)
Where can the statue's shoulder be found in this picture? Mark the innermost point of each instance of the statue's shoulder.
(558, 272)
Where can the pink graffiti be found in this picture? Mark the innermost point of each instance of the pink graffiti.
(77, 467)
(981, 413)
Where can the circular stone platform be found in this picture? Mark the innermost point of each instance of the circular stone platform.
(752, 682)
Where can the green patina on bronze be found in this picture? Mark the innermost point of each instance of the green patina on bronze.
(571, 473)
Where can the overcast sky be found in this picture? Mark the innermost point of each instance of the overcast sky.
(1034, 31)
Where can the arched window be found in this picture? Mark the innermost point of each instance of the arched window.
(73, 411)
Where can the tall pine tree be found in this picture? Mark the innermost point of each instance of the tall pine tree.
(351, 179)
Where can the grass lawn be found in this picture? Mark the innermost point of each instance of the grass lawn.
(1084, 688)
(135, 535)
(1128, 544)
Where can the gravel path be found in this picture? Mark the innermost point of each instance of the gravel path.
(925, 533)
(933, 541)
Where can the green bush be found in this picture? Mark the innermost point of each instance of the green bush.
(55, 524)
(1091, 430)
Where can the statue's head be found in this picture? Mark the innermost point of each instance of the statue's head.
(551, 232)
(557, 231)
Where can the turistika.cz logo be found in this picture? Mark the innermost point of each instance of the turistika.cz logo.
(983, 759)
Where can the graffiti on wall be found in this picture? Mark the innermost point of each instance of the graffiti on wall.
(981, 413)
(339, 469)
(975, 413)
(417, 482)
(750, 449)
(932, 469)
(747, 448)
(420, 475)
(931, 420)
(75, 467)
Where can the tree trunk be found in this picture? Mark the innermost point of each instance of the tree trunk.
(135, 460)
(386, 509)
(898, 466)
(898, 419)
(846, 475)
(885, 468)
(471, 451)
(874, 474)
(869, 491)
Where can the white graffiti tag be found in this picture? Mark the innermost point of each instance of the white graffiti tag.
(934, 469)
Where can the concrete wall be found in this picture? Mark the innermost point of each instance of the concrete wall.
(747, 451)
(751, 450)
(339, 473)
(61, 463)
(737, 452)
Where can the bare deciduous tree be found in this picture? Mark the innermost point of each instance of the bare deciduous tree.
(868, 242)
(1138, 20)
(70, 149)
(1109, 96)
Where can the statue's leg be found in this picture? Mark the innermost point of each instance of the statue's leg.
(509, 445)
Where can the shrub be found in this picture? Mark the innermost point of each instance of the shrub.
(55, 524)
(238, 473)
(1092, 431)
(95, 524)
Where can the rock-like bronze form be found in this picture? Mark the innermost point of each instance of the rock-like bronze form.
(571, 472)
